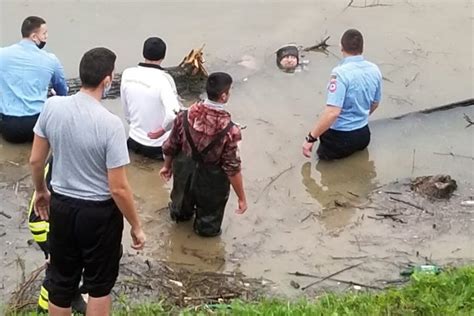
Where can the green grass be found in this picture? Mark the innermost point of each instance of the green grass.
(449, 293)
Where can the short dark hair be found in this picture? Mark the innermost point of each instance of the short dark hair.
(154, 48)
(30, 25)
(352, 41)
(96, 64)
(217, 83)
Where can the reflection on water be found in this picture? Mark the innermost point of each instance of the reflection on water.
(342, 185)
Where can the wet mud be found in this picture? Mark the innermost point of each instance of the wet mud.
(306, 216)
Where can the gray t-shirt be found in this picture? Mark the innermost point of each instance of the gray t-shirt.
(86, 140)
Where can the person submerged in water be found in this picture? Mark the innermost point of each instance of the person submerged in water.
(288, 57)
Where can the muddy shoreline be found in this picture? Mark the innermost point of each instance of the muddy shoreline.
(293, 223)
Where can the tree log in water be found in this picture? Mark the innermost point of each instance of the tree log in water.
(190, 77)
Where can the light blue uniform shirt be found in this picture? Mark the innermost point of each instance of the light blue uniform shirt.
(25, 74)
(355, 84)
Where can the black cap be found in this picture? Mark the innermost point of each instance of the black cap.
(154, 48)
(287, 50)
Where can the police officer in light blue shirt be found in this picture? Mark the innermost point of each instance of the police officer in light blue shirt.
(26, 71)
(354, 92)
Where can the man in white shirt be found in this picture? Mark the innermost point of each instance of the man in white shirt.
(150, 101)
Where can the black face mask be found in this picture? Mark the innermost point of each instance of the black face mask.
(41, 44)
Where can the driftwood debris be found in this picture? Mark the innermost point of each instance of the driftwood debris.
(321, 46)
(434, 187)
(190, 77)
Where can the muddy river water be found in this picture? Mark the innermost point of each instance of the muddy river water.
(424, 49)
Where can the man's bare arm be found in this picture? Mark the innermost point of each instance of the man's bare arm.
(238, 185)
(123, 197)
(39, 154)
(373, 107)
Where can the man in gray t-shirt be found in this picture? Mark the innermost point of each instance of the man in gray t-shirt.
(90, 192)
(87, 140)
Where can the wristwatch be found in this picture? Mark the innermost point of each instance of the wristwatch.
(310, 138)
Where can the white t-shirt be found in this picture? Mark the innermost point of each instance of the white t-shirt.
(150, 101)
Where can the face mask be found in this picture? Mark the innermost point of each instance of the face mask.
(106, 90)
(41, 44)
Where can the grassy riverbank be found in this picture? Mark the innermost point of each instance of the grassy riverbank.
(449, 293)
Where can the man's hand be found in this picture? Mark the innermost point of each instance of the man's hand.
(307, 149)
(156, 134)
(242, 207)
(138, 238)
(166, 173)
(42, 201)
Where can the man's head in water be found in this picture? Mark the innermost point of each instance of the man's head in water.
(218, 87)
(352, 43)
(287, 57)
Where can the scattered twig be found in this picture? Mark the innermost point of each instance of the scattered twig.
(453, 155)
(348, 258)
(5, 214)
(353, 194)
(468, 120)
(16, 164)
(273, 179)
(331, 275)
(3, 234)
(407, 203)
(306, 217)
(211, 297)
(412, 80)
(393, 192)
(413, 162)
(358, 243)
(320, 46)
(335, 280)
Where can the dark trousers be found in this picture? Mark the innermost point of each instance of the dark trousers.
(85, 240)
(17, 129)
(338, 144)
(147, 151)
(200, 190)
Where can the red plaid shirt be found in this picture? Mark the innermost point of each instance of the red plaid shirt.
(205, 123)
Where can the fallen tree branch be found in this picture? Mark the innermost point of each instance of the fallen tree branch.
(465, 103)
(318, 47)
(331, 275)
(190, 77)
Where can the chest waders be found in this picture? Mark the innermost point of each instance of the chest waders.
(199, 188)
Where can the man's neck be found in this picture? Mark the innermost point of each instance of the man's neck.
(345, 54)
(96, 93)
(153, 62)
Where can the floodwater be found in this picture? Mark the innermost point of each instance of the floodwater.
(424, 49)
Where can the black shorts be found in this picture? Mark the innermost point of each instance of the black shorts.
(147, 151)
(338, 144)
(18, 129)
(85, 239)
